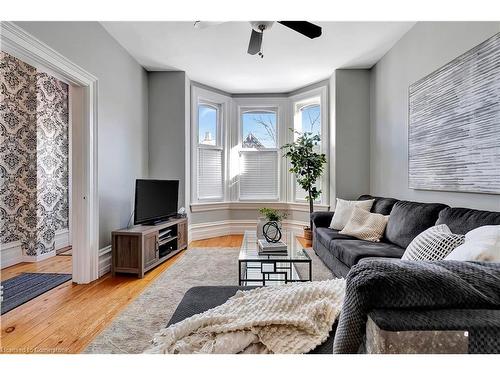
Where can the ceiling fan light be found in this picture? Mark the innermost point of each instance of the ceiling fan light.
(260, 26)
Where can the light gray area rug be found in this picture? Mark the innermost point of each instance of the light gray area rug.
(132, 330)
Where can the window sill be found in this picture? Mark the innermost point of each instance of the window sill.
(290, 206)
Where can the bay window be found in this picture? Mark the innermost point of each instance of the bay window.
(236, 155)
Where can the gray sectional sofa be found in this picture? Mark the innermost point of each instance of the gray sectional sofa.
(407, 219)
(396, 306)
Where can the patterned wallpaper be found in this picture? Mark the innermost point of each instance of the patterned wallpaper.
(52, 158)
(33, 156)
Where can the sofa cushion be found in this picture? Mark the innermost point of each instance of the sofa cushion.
(463, 220)
(350, 252)
(326, 235)
(408, 219)
(381, 205)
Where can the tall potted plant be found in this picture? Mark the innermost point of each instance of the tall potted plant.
(307, 165)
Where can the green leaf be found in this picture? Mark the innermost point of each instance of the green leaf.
(306, 164)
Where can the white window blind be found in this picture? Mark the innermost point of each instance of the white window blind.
(259, 175)
(301, 194)
(210, 182)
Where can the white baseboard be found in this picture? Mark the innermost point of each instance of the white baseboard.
(227, 227)
(38, 258)
(10, 254)
(104, 260)
(62, 239)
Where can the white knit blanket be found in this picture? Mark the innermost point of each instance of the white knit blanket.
(292, 318)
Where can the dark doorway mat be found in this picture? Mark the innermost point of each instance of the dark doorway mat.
(23, 288)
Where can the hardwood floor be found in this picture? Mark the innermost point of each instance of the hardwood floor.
(222, 241)
(57, 264)
(233, 241)
(67, 318)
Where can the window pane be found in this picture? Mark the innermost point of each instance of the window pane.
(207, 125)
(310, 122)
(310, 119)
(259, 130)
(300, 194)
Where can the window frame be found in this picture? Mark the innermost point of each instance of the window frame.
(230, 137)
(271, 108)
(221, 103)
(298, 102)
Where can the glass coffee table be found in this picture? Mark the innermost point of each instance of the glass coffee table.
(272, 269)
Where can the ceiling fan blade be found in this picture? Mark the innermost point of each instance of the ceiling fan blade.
(255, 42)
(305, 28)
(205, 24)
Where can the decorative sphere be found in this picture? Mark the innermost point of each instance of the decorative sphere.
(272, 232)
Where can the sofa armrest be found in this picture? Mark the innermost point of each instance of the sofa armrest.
(322, 219)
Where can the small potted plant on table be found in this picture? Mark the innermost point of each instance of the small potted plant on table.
(269, 215)
(307, 165)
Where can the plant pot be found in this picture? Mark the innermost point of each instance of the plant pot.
(308, 235)
(260, 225)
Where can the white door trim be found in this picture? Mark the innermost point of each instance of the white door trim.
(85, 210)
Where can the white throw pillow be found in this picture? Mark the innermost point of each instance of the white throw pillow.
(481, 244)
(343, 211)
(365, 225)
(434, 243)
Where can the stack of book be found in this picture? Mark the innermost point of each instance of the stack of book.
(272, 247)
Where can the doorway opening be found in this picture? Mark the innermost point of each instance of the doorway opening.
(82, 210)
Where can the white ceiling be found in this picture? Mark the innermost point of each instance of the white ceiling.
(217, 55)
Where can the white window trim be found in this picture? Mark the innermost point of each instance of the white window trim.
(231, 137)
(269, 109)
(251, 205)
(281, 106)
(223, 104)
(315, 96)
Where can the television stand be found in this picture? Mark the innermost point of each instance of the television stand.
(143, 247)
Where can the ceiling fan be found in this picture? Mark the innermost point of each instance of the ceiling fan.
(305, 28)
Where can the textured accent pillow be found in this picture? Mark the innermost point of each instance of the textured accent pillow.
(365, 225)
(481, 245)
(343, 211)
(434, 243)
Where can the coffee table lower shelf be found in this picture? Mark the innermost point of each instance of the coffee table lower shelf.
(270, 272)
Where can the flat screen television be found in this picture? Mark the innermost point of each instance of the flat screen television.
(155, 200)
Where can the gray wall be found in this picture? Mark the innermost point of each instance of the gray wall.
(351, 123)
(168, 111)
(123, 104)
(425, 48)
